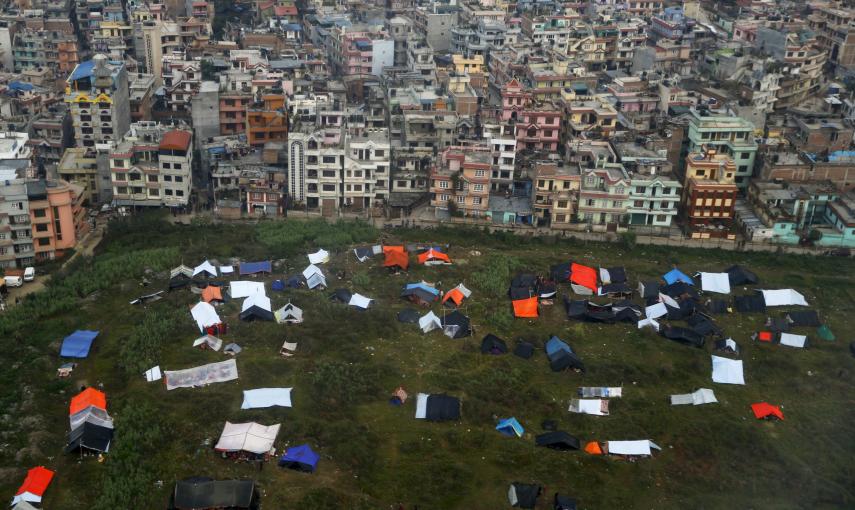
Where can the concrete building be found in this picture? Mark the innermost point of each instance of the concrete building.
(267, 119)
(835, 33)
(205, 111)
(461, 182)
(57, 216)
(556, 193)
(435, 23)
(729, 136)
(709, 195)
(141, 94)
(654, 192)
(16, 236)
(97, 92)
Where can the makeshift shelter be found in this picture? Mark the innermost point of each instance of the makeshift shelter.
(592, 406)
(409, 316)
(319, 257)
(523, 495)
(294, 282)
(363, 253)
(288, 349)
(77, 344)
(212, 293)
(631, 448)
(359, 301)
(525, 308)
(277, 285)
(256, 307)
(289, 314)
(678, 290)
(727, 371)
(651, 323)
(739, 275)
(791, 340)
(199, 492)
(648, 289)
(457, 295)
(232, 349)
(717, 306)
(201, 376)
(510, 427)
(65, 369)
(300, 458)
(675, 275)
(524, 349)
(699, 397)
(205, 269)
(765, 336)
(181, 271)
(715, 282)
(396, 259)
(266, 397)
(247, 268)
(824, 332)
(24, 505)
(420, 293)
(92, 415)
(224, 270)
(560, 272)
(778, 324)
(148, 298)
(208, 342)
(750, 304)
(593, 448)
(429, 322)
(341, 295)
(557, 440)
(89, 436)
(727, 345)
(615, 290)
(247, 437)
(600, 392)
(88, 397)
(806, 318)
(583, 279)
(546, 289)
(456, 325)
(205, 315)
(655, 311)
(563, 503)
(491, 344)
(682, 335)
(764, 410)
(561, 356)
(153, 374)
(437, 407)
(34, 486)
(783, 297)
(433, 257)
(612, 275)
(243, 289)
(314, 277)
(703, 325)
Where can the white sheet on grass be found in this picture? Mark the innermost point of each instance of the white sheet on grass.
(259, 300)
(593, 406)
(421, 406)
(266, 397)
(648, 322)
(319, 257)
(201, 376)
(213, 342)
(205, 315)
(248, 437)
(727, 371)
(640, 447)
(205, 267)
(655, 311)
(429, 322)
(241, 289)
(702, 396)
(601, 391)
(783, 297)
(792, 340)
(715, 282)
(359, 301)
(153, 374)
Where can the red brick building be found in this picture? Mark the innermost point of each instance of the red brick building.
(709, 195)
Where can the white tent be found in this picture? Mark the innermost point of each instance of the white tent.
(289, 313)
(429, 322)
(319, 257)
(421, 406)
(593, 406)
(702, 396)
(205, 315)
(783, 297)
(266, 397)
(655, 311)
(241, 289)
(463, 290)
(259, 300)
(648, 322)
(92, 415)
(201, 376)
(727, 371)
(359, 301)
(181, 270)
(668, 300)
(314, 277)
(207, 268)
(153, 374)
(792, 340)
(715, 282)
(248, 437)
(227, 269)
(641, 447)
(212, 342)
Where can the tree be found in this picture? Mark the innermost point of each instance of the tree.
(209, 72)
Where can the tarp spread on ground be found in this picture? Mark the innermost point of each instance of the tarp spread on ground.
(675, 275)
(77, 344)
(749, 304)
(655, 311)
(783, 297)
(600, 392)
(241, 289)
(437, 407)
(319, 257)
(715, 282)
(256, 267)
(227, 270)
(314, 277)
(640, 447)
(212, 293)
(457, 294)
(701, 396)
(593, 406)
(433, 257)
(208, 342)
(207, 493)
(727, 345)
(765, 410)
(289, 313)
(266, 397)
(301, 458)
(153, 374)
(205, 315)
(727, 371)
(35, 484)
(247, 437)
(429, 322)
(205, 269)
(643, 323)
(510, 427)
(583, 279)
(805, 318)
(202, 376)
(791, 340)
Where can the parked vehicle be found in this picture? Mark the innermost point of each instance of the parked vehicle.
(29, 274)
(13, 281)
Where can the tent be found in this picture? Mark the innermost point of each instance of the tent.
(24, 505)
(92, 415)
(341, 295)
(429, 322)
(437, 407)
(783, 297)
(433, 257)
(300, 458)
(205, 269)
(717, 306)
(560, 272)
(153, 374)
(181, 271)
(765, 336)
(456, 325)
(546, 289)
(561, 357)
(648, 289)
(806, 318)
(294, 282)
(266, 397)
(592, 406)
(77, 344)
(749, 304)
(563, 503)
(642, 447)
(583, 279)
(256, 307)
(655, 311)
(525, 308)
(89, 436)
(612, 275)
(232, 349)
(248, 437)
(727, 345)
(510, 427)
(420, 293)
(277, 285)
(593, 448)
(224, 270)
(778, 324)
(88, 397)
(242, 289)
(715, 282)
(201, 376)
(701, 396)
(314, 277)
(360, 301)
(289, 314)
(675, 275)
(200, 492)
(457, 294)
(523, 495)
(491, 344)
(557, 440)
(678, 290)
(35, 484)
(395, 258)
(255, 267)
(727, 371)
(524, 349)
(600, 391)
(825, 333)
(208, 342)
(791, 340)
(363, 253)
(615, 290)
(319, 257)
(764, 410)
(739, 275)
(408, 316)
(703, 325)
(212, 293)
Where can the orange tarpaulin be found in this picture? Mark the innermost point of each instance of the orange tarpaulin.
(432, 254)
(390, 249)
(36, 482)
(584, 276)
(526, 308)
(454, 295)
(765, 410)
(212, 293)
(593, 448)
(765, 336)
(86, 398)
(396, 258)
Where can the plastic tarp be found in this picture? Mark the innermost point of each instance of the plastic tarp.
(319, 257)
(437, 407)
(264, 266)
(600, 392)
(86, 398)
(655, 311)
(421, 406)
(241, 289)
(153, 374)
(212, 342)
(557, 440)
(429, 322)
(289, 313)
(523, 495)
(92, 415)
(227, 269)
(791, 340)
(89, 436)
(457, 294)
(715, 282)
(783, 297)
(202, 376)
(433, 257)
(584, 276)
(765, 410)
(491, 344)
(739, 275)
(640, 447)
(359, 301)
(363, 253)
(182, 271)
(301, 458)
(395, 258)
(259, 300)
(35, 484)
(675, 275)
(593, 406)
(510, 427)
(643, 323)
(205, 315)
(525, 308)
(701, 396)
(612, 275)
(727, 371)
(77, 344)
(314, 276)
(205, 268)
(207, 493)
(212, 293)
(727, 344)
(266, 397)
(247, 437)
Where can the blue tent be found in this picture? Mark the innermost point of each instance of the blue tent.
(425, 287)
(278, 285)
(301, 458)
(675, 275)
(256, 267)
(77, 344)
(510, 427)
(555, 344)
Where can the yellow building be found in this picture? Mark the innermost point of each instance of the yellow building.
(463, 65)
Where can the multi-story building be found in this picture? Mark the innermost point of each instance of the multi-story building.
(435, 23)
(589, 114)
(267, 119)
(366, 168)
(141, 92)
(461, 182)
(538, 128)
(556, 193)
(90, 170)
(360, 54)
(57, 217)
(709, 194)
(604, 188)
(16, 236)
(840, 215)
(50, 135)
(97, 92)
(504, 152)
(233, 106)
(727, 135)
(654, 192)
(835, 33)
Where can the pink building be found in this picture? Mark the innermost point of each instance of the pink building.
(514, 100)
(57, 217)
(538, 128)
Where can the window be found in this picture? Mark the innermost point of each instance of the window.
(638, 203)
(479, 173)
(476, 200)
(167, 165)
(478, 187)
(178, 178)
(152, 178)
(640, 189)
(379, 153)
(700, 173)
(619, 190)
(401, 184)
(617, 203)
(743, 168)
(461, 199)
(328, 187)
(44, 241)
(328, 173)
(179, 193)
(443, 184)
(666, 191)
(744, 155)
(42, 227)
(541, 183)
(167, 178)
(168, 192)
(120, 177)
(590, 180)
(562, 204)
(329, 159)
(177, 166)
(705, 136)
(589, 217)
(444, 198)
(154, 192)
(39, 213)
(590, 202)
(119, 163)
(122, 190)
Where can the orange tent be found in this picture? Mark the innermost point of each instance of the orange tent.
(454, 295)
(432, 255)
(396, 258)
(766, 410)
(584, 276)
(764, 336)
(86, 398)
(593, 448)
(36, 483)
(526, 308)
(212, 293)
(389, 249)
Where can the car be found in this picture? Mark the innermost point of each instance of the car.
(13, 281)
(29, 274)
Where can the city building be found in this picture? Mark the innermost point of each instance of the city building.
(98, 98)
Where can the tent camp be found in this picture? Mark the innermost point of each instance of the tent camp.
(359, 301)
(561, 356)
(35, 484)
(289, 314)
(783, 297)
(739, 275)
(727, 371)
(247, 437)
(256, 307)
(457, 295)
(510, 427)
(241, 289)
(429, 322)
(293, 282)
(557, 440)
(89, 436)
(201, 376)
(715, 282)
(77, 344)
(583, 279)
(409, 316)
(525, 308)
(205, 269)
(592, 406)
(791, 340)
(205, 493)
(88, 397)
(523, 495)
(247, 268)
(300, 458)
(319, 257)
(433, 257)
(266, 397)
(314, 277)
(437, 407)
(420, 293)
(456, 325)
(675, 275)
(631, 448)
(764, 410)
(205, 315)
(208, 342)
(701, 396)
(491, 344)
(749, 304)
(212, 293)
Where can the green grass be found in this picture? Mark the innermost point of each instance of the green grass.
(375, 455)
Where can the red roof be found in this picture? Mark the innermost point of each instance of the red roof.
(285, 10)
(37, 481)
(766, 410)
(176, 140)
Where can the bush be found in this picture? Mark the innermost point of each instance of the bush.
(361, 279)
(142, 350)
(628, 240)
(495, 278)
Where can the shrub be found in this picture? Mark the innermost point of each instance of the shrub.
(628, 240)
(496, 276)
(361, 278)
(142, 350)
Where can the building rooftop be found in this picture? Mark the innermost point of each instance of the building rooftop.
(176, 140)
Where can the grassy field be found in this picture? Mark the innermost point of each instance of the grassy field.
(378, 456)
